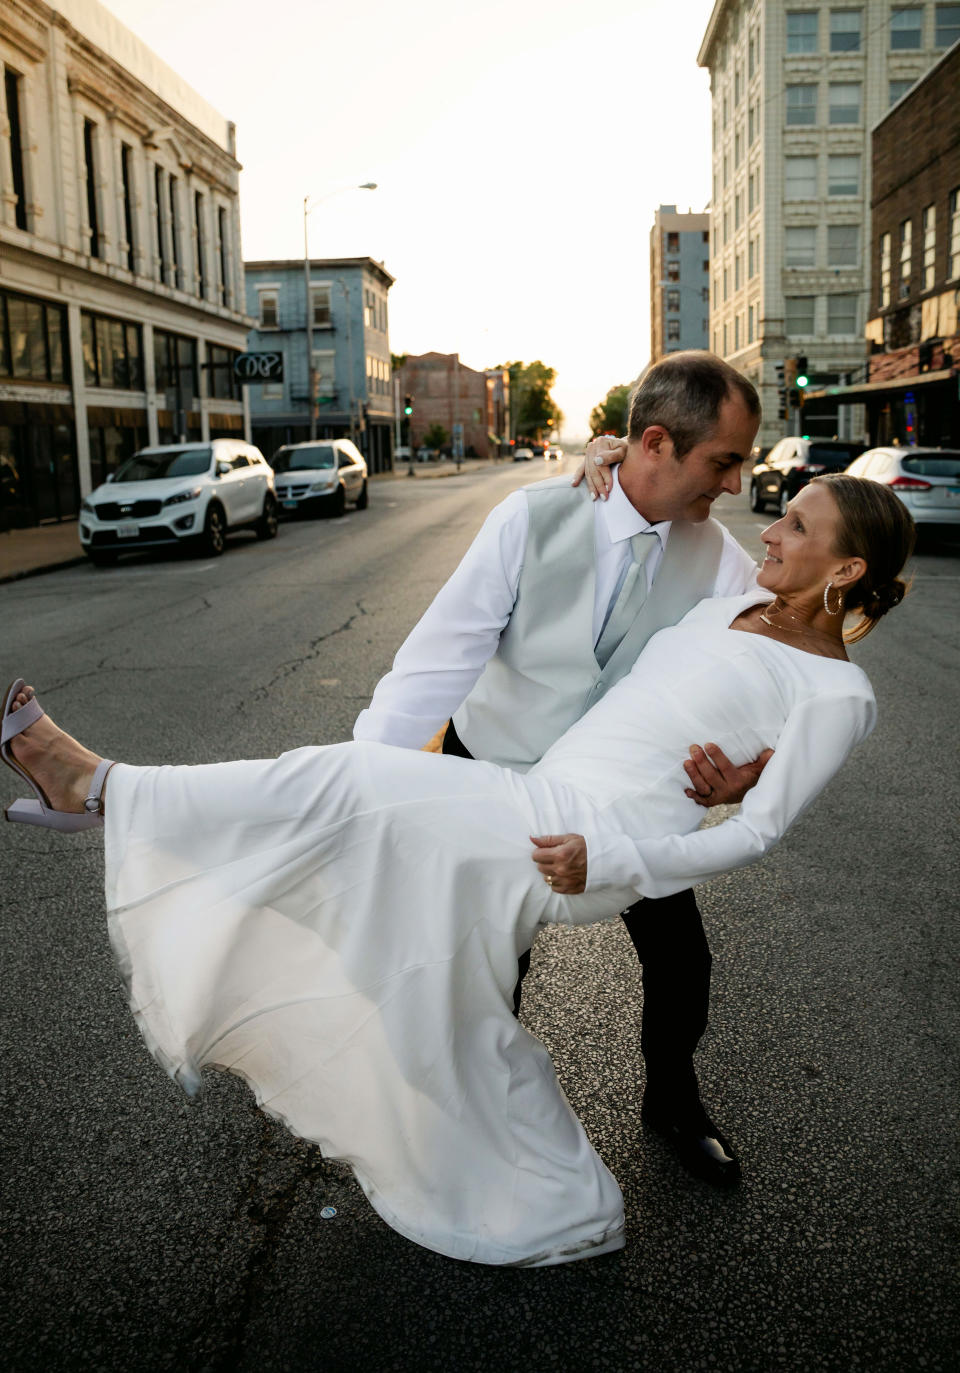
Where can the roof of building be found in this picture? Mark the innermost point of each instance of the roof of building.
(328, 264)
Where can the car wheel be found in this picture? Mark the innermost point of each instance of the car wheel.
(756, 502)
(269, 522)
(338, 502)
(363, 499)
(100, 558)
(214, 534)
(784, 499)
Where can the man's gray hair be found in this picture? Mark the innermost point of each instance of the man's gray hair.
(683, 393)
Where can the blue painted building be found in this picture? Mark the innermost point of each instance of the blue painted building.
(352, 382)
(679, 282)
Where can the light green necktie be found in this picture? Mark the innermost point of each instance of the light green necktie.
(632, 595)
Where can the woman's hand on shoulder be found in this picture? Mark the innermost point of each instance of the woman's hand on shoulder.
(562, 860)
(601, 454)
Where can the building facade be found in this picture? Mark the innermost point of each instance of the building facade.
(912, 389)
(457, 399)
(679, 282)
(121, 278)
(350, 338)
(795, 88)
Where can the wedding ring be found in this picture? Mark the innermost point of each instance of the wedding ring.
(549, 881)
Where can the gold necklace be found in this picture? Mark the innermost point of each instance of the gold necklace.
(790, 629)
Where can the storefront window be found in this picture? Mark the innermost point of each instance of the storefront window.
(32, 339)
(111, 353)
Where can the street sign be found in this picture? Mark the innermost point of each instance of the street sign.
(252, 368)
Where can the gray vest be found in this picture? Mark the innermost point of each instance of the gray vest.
(544, 674)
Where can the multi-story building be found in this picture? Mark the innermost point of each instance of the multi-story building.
(121, 277)
(795, 87)
(679, 282)
(456, 398)
(353, 392)
(913, 331)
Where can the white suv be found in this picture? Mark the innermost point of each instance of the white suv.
(320, 475)
(180, 493)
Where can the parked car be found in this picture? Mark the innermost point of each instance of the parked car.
(523, 455)
(927, 480)
(791, 463)
(180, 493)
(552, 453)
(320, 476)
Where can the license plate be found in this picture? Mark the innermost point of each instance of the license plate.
(289, 505)
(953, 492)
(128, 530)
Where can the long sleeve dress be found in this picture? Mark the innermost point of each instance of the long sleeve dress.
(340, 926)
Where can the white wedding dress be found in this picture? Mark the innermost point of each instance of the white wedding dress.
(340, 926)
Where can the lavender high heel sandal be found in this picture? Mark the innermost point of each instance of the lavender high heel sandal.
(40, 811)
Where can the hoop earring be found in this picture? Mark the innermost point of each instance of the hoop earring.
(826, 603)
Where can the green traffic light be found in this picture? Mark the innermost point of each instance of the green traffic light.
(803, 381)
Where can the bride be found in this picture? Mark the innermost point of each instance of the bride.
(340, 926)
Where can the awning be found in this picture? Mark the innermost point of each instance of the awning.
(850, 395)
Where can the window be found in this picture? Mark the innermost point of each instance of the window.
(929, 247)
(716, 292)
(12, 88)
(738, 209)
(737, 271)
(673, 243)
(369, 310)
(726, 226)
(725, 347)
(801, 32)
(705, 295)
(201, 241)
(843, 174)
(222, 230)
(751, 127)
(844, 102)
(673, 271)
(126, 174)
(32, 339)
(174, 191)
(737, 87)
(843, 245)
(736, 332)
(799, 314)
(269, 309)
(738, 148)
(885, 258)
(175, 365)
(842, 314)
(898, 89)
(751, 56)
(801, 104)
(845, 31)
(947, 25)
(320, 304)
(726, 283)
(90, 166)
(953, 267)
(161, 221)
(906, 29)
(751, 260)
(673, 331)
(221, 383)
(800, 178)
(906, 254)
(726, 171)
(800, 246)
(324, 373)
(112, 352)
(673, 300)
(751, 325)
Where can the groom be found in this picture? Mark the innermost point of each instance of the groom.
(549, 608)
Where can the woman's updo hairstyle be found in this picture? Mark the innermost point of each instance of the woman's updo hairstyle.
(874, 525)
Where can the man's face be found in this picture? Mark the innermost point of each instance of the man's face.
(685, 489)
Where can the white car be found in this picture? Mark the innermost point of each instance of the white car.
(552, 453)
(927, 480)
(180, 493)
(320, 476)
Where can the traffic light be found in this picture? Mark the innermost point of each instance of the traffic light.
(781, 393)
(802, 376)
(408, 405)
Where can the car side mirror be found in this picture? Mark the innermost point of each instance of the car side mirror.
(109, 476)
(222, 469)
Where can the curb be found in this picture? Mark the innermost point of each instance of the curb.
(7, 577)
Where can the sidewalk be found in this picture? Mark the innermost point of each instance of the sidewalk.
(26, 552)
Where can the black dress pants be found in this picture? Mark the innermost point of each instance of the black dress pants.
(668, 936)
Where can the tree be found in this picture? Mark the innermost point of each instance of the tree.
(533, 411)
(610, 416)
(397, 360)
(435, 437)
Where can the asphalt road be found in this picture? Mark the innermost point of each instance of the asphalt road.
(144, 1233)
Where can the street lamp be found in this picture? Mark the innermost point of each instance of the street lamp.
(308, 209)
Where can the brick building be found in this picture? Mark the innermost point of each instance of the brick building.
(448, 393)
(913, 328)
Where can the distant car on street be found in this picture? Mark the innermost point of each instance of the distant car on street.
(791, 463)
(320, 476)
(552, 453)
(523, 455)
(927, 480)
(179, 493)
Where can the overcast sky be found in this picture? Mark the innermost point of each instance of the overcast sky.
(521, 148)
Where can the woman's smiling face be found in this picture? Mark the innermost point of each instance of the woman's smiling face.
(800, 547)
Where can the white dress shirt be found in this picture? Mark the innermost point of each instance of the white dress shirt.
(445, 652)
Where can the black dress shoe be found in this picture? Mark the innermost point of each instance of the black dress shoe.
(698, 1144)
